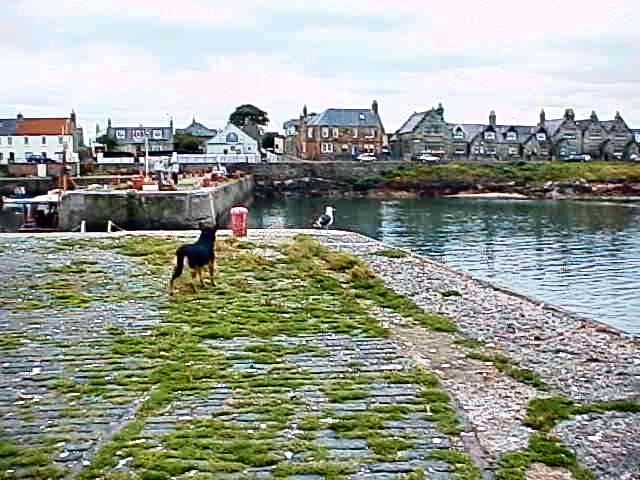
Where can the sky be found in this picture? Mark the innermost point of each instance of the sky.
(144, 61)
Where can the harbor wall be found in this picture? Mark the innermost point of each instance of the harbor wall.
(140, 210)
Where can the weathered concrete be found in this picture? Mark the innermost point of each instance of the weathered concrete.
(133, 210)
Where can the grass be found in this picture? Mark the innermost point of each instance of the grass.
(505, 365)
(460, 462)
(391, 253)
(35, 461)
(525, 172)
(545, 413)
(544, 449)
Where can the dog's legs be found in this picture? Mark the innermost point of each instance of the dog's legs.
(211, 272)
(194, 274)
(201, 276)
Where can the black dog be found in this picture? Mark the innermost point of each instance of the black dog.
(199, 255)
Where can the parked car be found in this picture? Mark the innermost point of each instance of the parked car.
(427, 158)
(578, 158)
(634, 158)
(39, 159)
(366, 157)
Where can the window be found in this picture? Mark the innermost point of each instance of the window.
(361, 116)
(310, 132)
(120, 135)
(44, 154)
(1, 156)
(26, 140)
(541, 137)
(232, 138)
(491, 150)
(355, 133)
(157, 134)
(489, 135)
(12, 156)
(513, 151)
(458, 134)
(326, 147)
(325, 132)
(478, 149)
(44, 140)
(512, 136)
(9, 140)
(344, 147)
(370, 133)
(336, 132)
(570, 135)
(460, 150)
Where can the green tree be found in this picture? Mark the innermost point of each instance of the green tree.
(248, 114)
(110, 143)
(186, 143)
(268, 140)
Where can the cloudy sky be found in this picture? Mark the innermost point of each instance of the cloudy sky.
(141, 61)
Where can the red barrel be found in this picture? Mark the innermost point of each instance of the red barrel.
(239, 221)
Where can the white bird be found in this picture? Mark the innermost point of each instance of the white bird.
(326, 219)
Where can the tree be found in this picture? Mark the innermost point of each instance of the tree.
(268, 140)
(110, 143)
(186, 143)
(248, 114)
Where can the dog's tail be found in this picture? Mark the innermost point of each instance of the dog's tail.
(179, 264)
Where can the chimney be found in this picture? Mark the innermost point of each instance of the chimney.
(492, 118)
(618, 116)
(440, 110)
(73, 118)
(569, 115)
(594, 117)
(304, 111)
(374, 107)
(543, 118)
(108, 123)
(20, 117)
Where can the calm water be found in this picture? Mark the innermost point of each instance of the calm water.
(582, 256)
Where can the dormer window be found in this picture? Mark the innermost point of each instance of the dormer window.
(361, 116)
(458, 134)
(512, 136)
(489, 135)
(541, 136)
(232, 138)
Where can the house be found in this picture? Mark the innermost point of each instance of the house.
(291, 129)
(339, 133)
(232, 140)
(197, 130)
(23, 137)
(137, 139)
(428, 132)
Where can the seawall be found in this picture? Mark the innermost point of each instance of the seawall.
(135, 210)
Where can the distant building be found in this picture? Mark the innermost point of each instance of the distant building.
(132, 139)
(232, 141)
(198, 130)
(278, 144)
(339, 133)
(22, 138)
(428, 133)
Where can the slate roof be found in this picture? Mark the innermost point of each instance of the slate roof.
(197, 130)
(347, 117)
(7, 126)
(252, 130)
(294, 122)
(552, 126)
(411, 124)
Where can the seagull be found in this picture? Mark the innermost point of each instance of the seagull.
(326, 219)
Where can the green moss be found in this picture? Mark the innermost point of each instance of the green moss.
(450, 293)
(330, 470)
(505, 365)
(460, 462)
(545, 413)
(389, 448)
(468, 342)
(391, 253)
(344, 391)
(414, 375)
(10, 341)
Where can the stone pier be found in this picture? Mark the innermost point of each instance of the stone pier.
(135, 210)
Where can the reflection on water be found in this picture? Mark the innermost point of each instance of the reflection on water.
(582, 256)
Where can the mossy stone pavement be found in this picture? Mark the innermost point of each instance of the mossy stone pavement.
(288, 368)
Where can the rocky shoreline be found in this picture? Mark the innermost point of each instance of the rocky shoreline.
(504, 361)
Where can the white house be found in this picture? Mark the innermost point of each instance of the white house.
(22, 138)
(232, 141)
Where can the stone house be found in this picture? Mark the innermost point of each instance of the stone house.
(135, 139)
(429, 133)
(339, 133)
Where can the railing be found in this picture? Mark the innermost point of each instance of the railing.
(215, 158)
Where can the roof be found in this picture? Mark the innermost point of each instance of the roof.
(43, 126)
(252, 130)
(471, 129)
(294, 122)
(552, 126)
(7, 126)
(197, 130)
(347, 117)
(411, 124)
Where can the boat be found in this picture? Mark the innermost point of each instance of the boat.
(40, 212)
